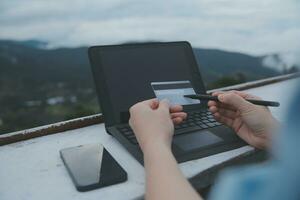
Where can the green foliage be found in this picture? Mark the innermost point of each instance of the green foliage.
(215, 64)
(227, 81)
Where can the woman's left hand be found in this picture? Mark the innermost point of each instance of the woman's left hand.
(153, 122)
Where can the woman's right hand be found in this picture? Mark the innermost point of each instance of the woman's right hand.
(254, 124)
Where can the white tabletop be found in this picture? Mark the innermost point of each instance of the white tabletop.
(33, 169)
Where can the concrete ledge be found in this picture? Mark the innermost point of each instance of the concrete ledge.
(98, 118)
(254, 84)
(50, 129)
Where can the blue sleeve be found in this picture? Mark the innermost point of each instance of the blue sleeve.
(265, 181)
(277, 179)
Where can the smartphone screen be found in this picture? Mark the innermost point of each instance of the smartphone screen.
(91, 166)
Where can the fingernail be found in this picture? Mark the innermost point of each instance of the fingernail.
(221, 97)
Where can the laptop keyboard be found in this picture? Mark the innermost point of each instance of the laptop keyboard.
(197, 120)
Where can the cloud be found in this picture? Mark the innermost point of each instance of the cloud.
(255, 27)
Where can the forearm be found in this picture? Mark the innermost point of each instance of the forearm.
(164, 179)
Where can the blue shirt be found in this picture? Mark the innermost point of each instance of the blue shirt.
(277, 179)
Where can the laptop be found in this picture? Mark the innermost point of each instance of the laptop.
(130, 73)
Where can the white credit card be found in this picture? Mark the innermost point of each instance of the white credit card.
(174, 91)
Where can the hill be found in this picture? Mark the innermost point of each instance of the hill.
(40, 86)
(29, 61)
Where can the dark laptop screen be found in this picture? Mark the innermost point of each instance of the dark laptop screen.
(129, 72)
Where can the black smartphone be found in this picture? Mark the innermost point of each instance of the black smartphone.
(91, 166)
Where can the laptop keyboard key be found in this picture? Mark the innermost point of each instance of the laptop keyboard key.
(211, 120)
(217, 123)
(134, 141)
(130, 136)
(127, 133)
(210, 124)
(203, 126)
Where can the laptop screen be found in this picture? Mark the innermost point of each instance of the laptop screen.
(136, 73)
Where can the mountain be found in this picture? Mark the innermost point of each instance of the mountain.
(215, 64)
(34, 43)
(41, 86)
(25, 60)
(28, 60)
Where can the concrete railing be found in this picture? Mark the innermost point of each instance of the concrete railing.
(98, 118)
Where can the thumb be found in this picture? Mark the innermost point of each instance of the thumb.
(164, 104)
(236, 101)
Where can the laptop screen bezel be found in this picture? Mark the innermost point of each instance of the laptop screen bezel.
(101, 86)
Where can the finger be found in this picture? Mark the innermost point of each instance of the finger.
(130, 122)
(225, 106)
(213, 109)
(236, 101)
(217, 93)
(249, 96)
(227, 113)
(179, 114)
(219, 104)
(177, 120)
(237, 124)
(137, 107)
(224, 120)
(246, 95)
(176, 108)
(164, 105)
(153, 103)
(211, 103)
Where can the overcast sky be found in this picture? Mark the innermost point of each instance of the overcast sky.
(250, 26)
